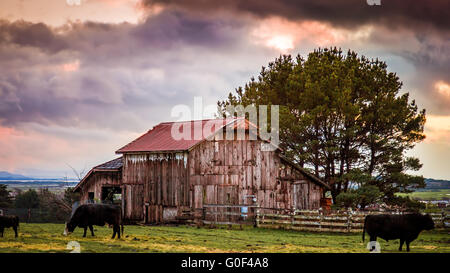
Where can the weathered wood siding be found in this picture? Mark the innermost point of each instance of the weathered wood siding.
(225, 171)
(160, 186)
(163, 185)
(100, 179)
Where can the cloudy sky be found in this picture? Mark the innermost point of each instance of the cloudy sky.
(80, 80)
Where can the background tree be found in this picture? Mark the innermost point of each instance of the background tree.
(367, 195)
(70, 196)
(53, 207)
(5, 199)
(28, 199)
(341, 113)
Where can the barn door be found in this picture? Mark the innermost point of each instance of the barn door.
(299, 195)
(134, 202)
(198, 197)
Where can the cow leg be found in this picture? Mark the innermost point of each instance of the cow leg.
(91, 228)
(85, 229)
(118, 231)
(401, 244)
(1, 231)
(114, 232)
(15, 231)
(407, 245)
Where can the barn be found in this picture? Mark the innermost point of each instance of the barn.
(161, 177)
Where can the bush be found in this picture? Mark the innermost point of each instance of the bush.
(363, 196)
(367, 194)
(347, 199)
(407, 203)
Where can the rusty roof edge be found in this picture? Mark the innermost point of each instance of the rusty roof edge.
(209, 138)
(305, 172)
(155, 152)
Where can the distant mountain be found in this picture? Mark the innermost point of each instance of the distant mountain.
(437, 184)
(12, 176)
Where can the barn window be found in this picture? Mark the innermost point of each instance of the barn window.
(112, 195)
(91, 195)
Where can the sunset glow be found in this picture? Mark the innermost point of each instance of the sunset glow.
(443, 88)
(79, 81)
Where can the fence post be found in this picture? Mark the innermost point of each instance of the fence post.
(349, 219)
(443, 218)
(320, 218)
(292, 221)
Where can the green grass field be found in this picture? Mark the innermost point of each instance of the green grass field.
(49, 238)
(428, 194)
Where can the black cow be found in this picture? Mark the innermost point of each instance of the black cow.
(95, 214)
(9, 221)
(405, 227)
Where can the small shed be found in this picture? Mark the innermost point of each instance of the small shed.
(102, 183)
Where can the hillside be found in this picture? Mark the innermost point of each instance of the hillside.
(437, 184)
(12, 176)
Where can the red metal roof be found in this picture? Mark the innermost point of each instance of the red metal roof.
(161, 138)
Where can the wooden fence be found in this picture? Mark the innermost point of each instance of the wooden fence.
(305, 220)
(316, 220)
(227, 215)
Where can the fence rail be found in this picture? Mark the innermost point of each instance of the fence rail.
(334, 222)
(213, 214)
(306, 220)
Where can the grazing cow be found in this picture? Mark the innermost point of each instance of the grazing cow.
(9, 221)
(95, 214)
(405, 227)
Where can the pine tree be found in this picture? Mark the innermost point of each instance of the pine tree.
(340, 114)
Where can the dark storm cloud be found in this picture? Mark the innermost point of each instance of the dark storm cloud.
(95, 74)
(176, 27)
(347, 13)
(24, 33)
(432, 62)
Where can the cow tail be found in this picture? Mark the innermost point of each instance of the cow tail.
(364, 228)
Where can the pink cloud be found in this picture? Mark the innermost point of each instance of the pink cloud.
(284, 35)
(71, 66)
(49, 149)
